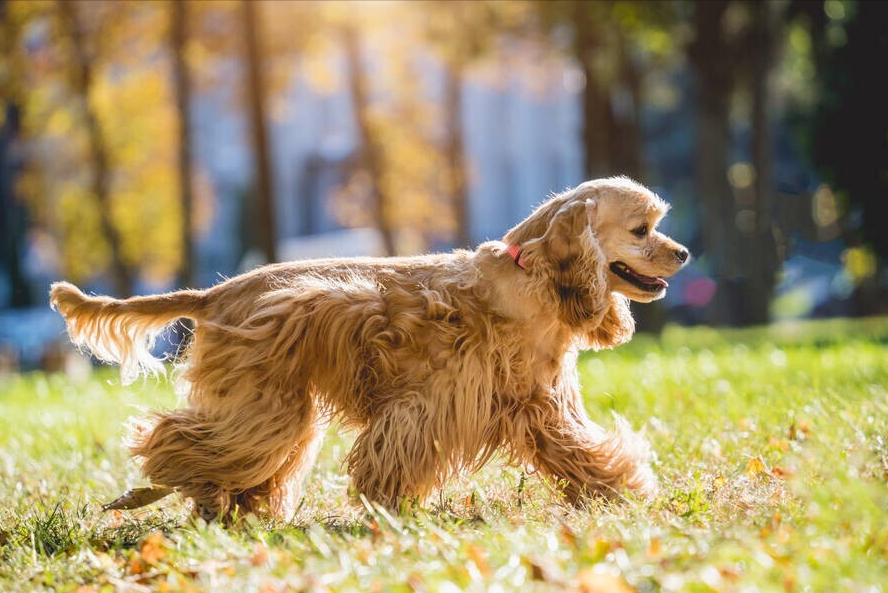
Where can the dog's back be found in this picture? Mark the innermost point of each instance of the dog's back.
(122, 331)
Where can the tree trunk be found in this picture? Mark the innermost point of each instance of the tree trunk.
(82, 79)
(596, 118)
(371, 154)
(182, 84)
(456, 157)
(13, 215)
(256, 99)
(708, 54)
(627, 143)
(764, 264)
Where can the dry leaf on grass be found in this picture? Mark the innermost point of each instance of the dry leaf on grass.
(590, 581)
(135, 498)
(755, 467)
(154, 547)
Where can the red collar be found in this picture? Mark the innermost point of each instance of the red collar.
(514, 252)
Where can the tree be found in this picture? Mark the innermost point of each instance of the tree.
(849, 138)
(82, 79)
(461, 33)
(762, 261)
(614, 44)
(371, 155)
(455, 150)
(709, 53)
(256, 99)
(92, 87)
(13, 218)
(182, 84)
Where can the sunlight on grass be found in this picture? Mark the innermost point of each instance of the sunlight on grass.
(772, 451)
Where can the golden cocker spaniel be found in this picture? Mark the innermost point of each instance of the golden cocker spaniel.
(439, 361)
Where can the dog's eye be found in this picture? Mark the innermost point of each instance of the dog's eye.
(640, 231)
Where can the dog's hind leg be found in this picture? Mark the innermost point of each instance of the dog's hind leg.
(281, 491)
(223, 459)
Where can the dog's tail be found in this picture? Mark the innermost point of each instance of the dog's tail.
(123, 331)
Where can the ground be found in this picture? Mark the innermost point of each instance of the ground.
(772, 453)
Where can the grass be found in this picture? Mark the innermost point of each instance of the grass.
(772, 450)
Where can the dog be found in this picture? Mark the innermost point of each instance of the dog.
(438, 361)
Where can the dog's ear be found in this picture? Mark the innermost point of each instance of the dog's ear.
(565, 230)
(562, 241)
(617, 326)
(570, 259)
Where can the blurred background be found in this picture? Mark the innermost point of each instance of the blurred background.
(158, 144)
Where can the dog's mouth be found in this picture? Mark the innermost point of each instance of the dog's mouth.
(646, 283)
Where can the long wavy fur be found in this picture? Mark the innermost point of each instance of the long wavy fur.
(438, 361)
(122, 332)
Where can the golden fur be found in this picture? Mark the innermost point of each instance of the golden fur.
(439, 361)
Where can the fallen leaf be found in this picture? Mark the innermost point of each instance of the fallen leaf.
(116, 519)
(755, 467)
(135, 565)
(782, 472)
(260, 556)
(478, 555)
(654, 548)
(153, 548)
(135, 498)
(567, 536)
(799, 431)
(598, 549)
(543, 570)
(594, 582)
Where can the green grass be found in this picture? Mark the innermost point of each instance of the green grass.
(772, 451)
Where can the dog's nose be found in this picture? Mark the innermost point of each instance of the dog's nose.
(682, 254)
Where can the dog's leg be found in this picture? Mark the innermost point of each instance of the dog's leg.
(222, 460)
(281, 491)
(561, 442)
(396, 455)
(593, 464)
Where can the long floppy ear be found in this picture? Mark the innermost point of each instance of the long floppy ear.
(569, 261)
(617, 326)
(563, 238)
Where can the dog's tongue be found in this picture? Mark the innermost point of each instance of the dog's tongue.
(659, 282)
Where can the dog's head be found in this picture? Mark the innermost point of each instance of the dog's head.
(603, 231)
(624, 223)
